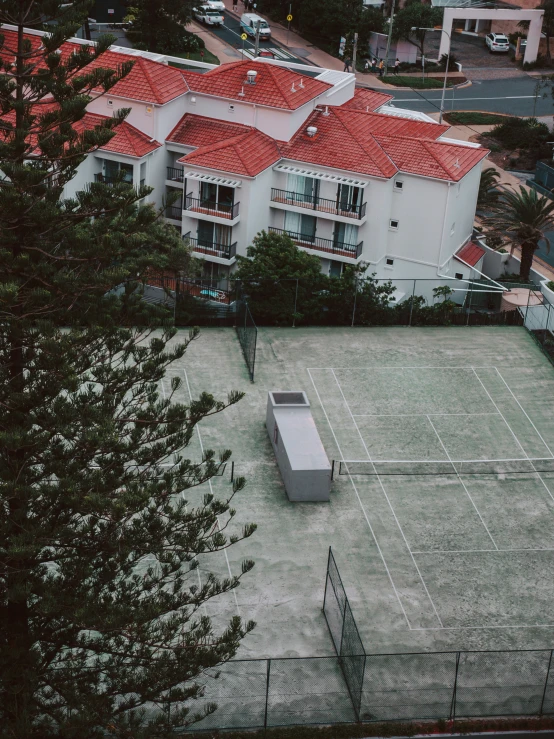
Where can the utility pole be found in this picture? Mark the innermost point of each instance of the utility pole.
(257, 44)
(354, 52)
(389, 39)
(288, 24)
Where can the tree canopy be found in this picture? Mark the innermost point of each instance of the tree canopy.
(415, 14)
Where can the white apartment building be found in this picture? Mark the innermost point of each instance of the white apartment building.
(251, 146)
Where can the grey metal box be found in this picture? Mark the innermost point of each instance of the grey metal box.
(302, 460)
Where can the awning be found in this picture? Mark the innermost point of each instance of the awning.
(319, 175)
(214, 180)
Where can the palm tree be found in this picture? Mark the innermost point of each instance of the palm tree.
(488, 194)
(523, 218)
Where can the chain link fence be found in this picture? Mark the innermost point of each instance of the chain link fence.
(247, 332)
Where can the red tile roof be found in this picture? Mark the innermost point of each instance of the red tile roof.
(148, 81)
(437, 159)
(367, 100)
(128, 140)
(470, 254)
(197, 130)
(9, 47)
(380, 145)
(276, 87)
(247, 154)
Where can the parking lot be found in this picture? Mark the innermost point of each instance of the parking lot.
(477, 62)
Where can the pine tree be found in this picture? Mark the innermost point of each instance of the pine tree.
(100, 625)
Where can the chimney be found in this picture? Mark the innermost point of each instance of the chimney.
(251, 77)
(311, 131)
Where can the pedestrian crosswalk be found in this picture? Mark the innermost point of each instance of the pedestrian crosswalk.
(277, 51)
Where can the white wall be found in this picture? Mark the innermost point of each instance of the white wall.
(142, 115)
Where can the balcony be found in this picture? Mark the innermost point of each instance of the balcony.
(211, 249)
(173, 212)
(111, 181)
(328, 246)
(227, 211)
(322, 205)
(175, 174)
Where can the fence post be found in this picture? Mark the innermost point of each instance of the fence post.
(546, 683)
(326, 579)
(469, 306)
(295, 302)
(267, 691)
(527, 309)
(453, 703)
(355, 296)
(412, 305)
(232, 470)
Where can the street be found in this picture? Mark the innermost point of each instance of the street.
(516, 96)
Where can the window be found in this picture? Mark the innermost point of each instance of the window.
(300, 226)
(345, 233)
(458, 276)
(112, 170)
(349, 198)
(389, 262)
(335, 268)
(215, 196)
(393, 225)
(142, 173)
(302, 190)
(398, 185)
(213, 233)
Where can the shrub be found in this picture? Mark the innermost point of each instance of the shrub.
(550, 284)
(523, 133)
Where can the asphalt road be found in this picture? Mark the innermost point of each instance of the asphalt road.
(517, 96)
(230, 33)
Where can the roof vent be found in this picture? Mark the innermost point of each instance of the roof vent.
(326, 111)
(311, 131)
(251, 77)
(301, 84)
(293, 88)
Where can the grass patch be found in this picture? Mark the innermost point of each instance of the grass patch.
(208, 57)
(461, 118)
(429, 83)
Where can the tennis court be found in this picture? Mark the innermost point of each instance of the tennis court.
(442, 517)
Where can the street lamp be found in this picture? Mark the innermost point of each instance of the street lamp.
(418, 28)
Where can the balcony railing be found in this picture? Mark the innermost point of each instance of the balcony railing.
(335, 207)
(204, 246)
(173, 212)
(212, 208)
(329, 246)
(176, 174)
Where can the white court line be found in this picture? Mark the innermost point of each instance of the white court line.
(409, 415)
(387, 499)
(361, 504)
(481, 551)
(482, 628)
(525, 412)
(511, 430)
(396, 367)
(182, 499)
(462, 483)
(212, 492)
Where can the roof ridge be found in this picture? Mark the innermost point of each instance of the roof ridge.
(362, 145)
(426, 145)
(146, 72)
(231, 141)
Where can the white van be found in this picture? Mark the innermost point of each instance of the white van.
(248, 23)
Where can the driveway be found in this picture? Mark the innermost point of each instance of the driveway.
(477, 62)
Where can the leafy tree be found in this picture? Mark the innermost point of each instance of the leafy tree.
(548, 25)
(523, 218)
(488, 194)
(269, 278)
(99, 595)
(415, 15)
(159, 25)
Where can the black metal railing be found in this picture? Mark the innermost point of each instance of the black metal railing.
(174, 212)
(329, 246)
(204, 246)
(99, 177)
(176, 174)
(314, 202)
(212, 208)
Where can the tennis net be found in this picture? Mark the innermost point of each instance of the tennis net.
(522, 466)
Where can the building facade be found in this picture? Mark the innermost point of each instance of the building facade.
(251, 146)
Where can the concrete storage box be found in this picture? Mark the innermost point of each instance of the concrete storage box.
(300, 455)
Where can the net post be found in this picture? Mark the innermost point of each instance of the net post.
(355, 296)
(333, 470)
(469, 306)
(546, 683)
(453, 702)
(267, 691)
(412, 305)
(232, 470)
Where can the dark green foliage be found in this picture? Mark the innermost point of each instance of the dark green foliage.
(415, 15)
(523, 133)
(488, 194)
(159, 25)
(470, 118)
(101, 632)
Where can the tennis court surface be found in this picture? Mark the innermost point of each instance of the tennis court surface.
(441, 516)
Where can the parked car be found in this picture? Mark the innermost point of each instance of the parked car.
(206, 15)
(249, 22)
(215, 5)
(497, 42)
